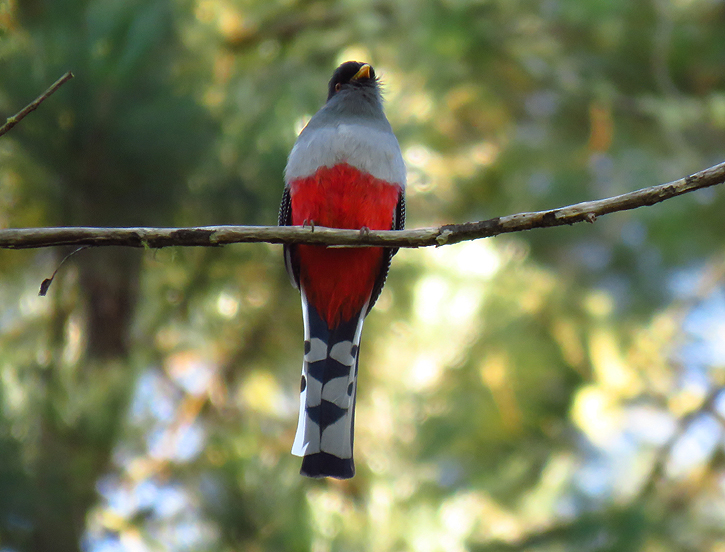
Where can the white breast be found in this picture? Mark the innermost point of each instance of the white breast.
(372, 150)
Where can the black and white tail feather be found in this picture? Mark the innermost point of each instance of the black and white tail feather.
(325, 430)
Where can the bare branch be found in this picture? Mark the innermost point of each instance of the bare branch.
(22, 238)
(15, 119)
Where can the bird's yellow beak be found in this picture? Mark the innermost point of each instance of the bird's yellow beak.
(363, 73)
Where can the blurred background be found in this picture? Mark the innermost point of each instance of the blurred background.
(554, 390)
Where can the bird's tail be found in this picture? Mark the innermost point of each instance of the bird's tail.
(327, 395)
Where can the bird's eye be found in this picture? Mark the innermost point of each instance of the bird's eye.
(337, 87)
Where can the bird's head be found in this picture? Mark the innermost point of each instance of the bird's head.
(353, 75)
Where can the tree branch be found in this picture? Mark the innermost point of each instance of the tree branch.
(23, 238)
(15, 119)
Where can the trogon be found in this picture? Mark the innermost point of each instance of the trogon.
(344, 171)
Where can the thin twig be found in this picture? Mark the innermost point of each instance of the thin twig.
(45, 284)
(23, 238)
(15, 119)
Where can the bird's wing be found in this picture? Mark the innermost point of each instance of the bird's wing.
(290, 258)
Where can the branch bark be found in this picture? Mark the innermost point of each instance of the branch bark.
(15, 119)
(24, 238)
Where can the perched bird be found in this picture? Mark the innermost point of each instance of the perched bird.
(344, 171)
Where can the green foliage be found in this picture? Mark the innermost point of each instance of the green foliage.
(554, 390)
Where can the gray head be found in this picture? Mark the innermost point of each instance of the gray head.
(353, 75)
(354, 88)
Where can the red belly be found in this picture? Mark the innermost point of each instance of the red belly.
(338, 281)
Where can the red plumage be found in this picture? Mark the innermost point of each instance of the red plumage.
(338, 281)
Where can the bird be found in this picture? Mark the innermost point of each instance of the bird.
(345, 170)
